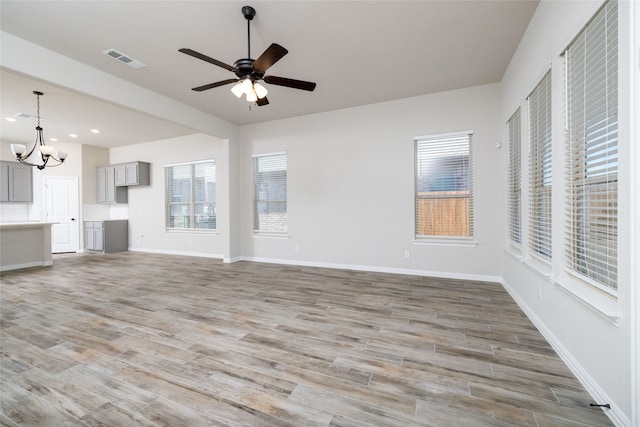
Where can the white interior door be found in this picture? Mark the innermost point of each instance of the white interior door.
(62, 208)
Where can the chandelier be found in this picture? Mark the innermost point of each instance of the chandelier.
(47, 152)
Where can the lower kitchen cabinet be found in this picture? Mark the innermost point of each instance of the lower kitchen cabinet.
(106, 236)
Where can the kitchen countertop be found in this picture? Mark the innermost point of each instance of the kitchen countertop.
(25, 224)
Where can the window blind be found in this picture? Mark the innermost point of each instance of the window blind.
(515, 178)
(592, 116)
(540, 169)
(443, 185)
(191, 195)
(270, 187)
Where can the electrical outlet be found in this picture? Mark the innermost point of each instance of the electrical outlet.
(407, 254)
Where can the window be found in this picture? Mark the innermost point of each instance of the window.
(540, 169)
(592, 130)
(515, 179)
(270, 187)
(443, 185)
(191, 195)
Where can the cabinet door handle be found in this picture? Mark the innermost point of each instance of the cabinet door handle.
(73, 219)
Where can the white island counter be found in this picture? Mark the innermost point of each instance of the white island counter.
(25, 244)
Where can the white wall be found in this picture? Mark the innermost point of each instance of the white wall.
(350, 184)
(146, 204)
(590, 331)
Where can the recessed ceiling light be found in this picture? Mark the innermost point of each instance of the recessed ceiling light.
(73, 135)
(53, 139)
(95, 130)
(10, 119)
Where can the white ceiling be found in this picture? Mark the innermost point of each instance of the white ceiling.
(358, 52)
(64, 111)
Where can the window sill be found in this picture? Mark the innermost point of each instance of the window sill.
(457, 242)
(604, 305)
(539, 266)
(270, 236)
(190, 231)
(513, 250)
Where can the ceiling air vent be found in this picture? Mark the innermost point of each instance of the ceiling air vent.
(119, 56)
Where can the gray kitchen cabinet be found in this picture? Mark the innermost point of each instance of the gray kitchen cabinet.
(4, 181)
(132, 173)
(16, 182)
(108, 193)
(106, 236)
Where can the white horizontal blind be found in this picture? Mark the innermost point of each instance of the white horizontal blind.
(592, 114)
(540, 168)
(191, 195)
(270, 203)
(515, 178)
(444, 185)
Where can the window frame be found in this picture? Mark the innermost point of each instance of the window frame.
(258, 226)
(580, 145)
(514, 134)
(192, 203)
(420, 144)
(541, 170)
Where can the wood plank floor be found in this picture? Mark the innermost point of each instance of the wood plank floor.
(155, 340)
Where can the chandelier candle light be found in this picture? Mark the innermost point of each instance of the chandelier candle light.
(47, 152)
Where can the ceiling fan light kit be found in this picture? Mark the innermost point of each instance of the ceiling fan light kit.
(249, 71)
(47, 152)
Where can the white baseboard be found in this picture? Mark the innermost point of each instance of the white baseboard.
(180, 253)
(375, 269)
(26, 265)
(599, 395)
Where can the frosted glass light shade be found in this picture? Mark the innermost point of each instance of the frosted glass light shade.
(247, 86)
(237, 89)
(18, 149)
(260, 90)
(47, 150)
(62, 155)
(252, 97)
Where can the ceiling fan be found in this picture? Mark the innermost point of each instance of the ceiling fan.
(250, 71)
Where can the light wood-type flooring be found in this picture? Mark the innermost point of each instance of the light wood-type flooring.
(133, 339)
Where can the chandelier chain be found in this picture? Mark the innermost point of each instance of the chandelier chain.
(38, 109)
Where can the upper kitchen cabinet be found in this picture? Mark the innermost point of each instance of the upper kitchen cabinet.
(108, 192)
(113, 180)
(133, 173)
(16, 182)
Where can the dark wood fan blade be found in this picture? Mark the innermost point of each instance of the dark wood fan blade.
(296, 84)
(263, 101)
(273, 54)
(216, 84)
(210, 60)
